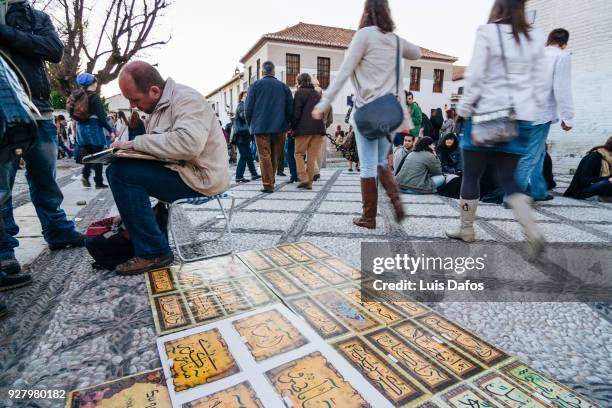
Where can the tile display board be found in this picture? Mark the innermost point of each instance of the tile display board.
(268, 357)
(239, 347)
(193, 294)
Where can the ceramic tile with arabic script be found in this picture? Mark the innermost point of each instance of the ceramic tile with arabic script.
(394, 386)
(199, 359)
(160, 281)
(255, 260)
(465, 397)
(348, 312)
(146, 389)
(540, 385)
(499, 388)
(281, 283)
(431, 375)
(318, 318)
(269, 334)
(307, 277)
(311, 381)
(343, 268)
(377, 309)
(203, 305)
(326, 273)
(171, 312)
(436, 349)
(238, 396)
(474, 346)
(254, 291)
(294, 253)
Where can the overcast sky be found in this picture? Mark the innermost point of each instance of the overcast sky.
(209, 37)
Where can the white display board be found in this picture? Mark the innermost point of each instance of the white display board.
(254, 371)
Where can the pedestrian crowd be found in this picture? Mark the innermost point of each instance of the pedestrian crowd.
(492, 147)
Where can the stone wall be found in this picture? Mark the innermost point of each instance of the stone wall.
(590, 26)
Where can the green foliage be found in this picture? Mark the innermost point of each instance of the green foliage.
(58, 101)
(105, 104)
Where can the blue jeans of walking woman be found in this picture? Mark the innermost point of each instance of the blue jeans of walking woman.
(46, 195)
(372, 153)
(132, 183)
(245, 160)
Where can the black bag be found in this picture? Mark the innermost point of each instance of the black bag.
(110, 245)
(380, 117)
(18, 129)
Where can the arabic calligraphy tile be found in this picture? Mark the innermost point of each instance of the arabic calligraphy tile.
(277, 257)
(377, 309)
(499, 388)
(349, 313)
(306, 277)
(312, 250)
(255, 260)
(238, 396)
(541, 386)
(401, 302)
(438, 350)
(319, 319)
(171, 312)
(269, 334)
(199, 359)
(230, 298)
(395, 387)
(428, 373)
(146, 389)
(311, 381)
(465, 397)
(343, 268)
(160, 281)
(326, 273)
(254, 291)
(281, 283)
(203, 305)
(469, 343)
(294, 253)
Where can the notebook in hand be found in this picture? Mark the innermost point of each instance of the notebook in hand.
(110, 155)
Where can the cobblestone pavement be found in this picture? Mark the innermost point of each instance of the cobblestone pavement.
(75, 327)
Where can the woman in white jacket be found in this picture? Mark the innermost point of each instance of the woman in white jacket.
(370, 64)
(491, 87)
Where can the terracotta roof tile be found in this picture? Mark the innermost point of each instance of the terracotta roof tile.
(334, 37)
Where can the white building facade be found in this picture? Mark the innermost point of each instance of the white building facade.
(590, 27)
(224, 99)
(319, 51)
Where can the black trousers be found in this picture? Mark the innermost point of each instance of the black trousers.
(475, 164)
(96, 167)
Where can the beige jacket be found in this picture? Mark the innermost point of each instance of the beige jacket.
(184, 127)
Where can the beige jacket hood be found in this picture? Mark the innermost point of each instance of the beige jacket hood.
(184, 127)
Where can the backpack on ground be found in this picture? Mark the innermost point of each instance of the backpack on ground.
(110, 245)
(18, 129)
(77, 105)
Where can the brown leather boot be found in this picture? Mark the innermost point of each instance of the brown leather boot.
(137, 265)
(369, 198)
(388, 182)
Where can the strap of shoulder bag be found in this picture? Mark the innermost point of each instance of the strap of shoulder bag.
(505, 62)
(397, 66)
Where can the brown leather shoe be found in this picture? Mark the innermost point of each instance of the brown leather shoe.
(369, 198)
(390, 185)
(137, 265)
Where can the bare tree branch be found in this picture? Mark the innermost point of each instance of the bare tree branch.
(124, 32)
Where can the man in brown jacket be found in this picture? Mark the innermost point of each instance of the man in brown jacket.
(182, 128)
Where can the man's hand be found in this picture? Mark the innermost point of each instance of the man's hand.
(565, 127)
(317, 114)
(118, 144)
(610, 180)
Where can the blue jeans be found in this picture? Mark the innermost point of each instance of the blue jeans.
(132, 183)
(290, 156)
(372, 154)
(246, 159)
(45, 193)
(530, 171)
(601, 188)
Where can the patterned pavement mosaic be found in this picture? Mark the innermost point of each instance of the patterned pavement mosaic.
(75, 327)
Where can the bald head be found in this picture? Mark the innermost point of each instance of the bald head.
(142, 85)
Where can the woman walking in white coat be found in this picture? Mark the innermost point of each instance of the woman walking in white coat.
(367, 64)
(506, 75)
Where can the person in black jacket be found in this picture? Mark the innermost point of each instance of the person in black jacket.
(243, 139)
(593, 176)
(437, 120)
(268, 109)
(90, 133)
(32, 41)
(308, 132)
(449, 154)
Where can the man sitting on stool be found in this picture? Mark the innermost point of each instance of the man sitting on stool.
(183, 127)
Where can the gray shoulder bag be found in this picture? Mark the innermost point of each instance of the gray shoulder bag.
(383, 115)
(492, 128)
